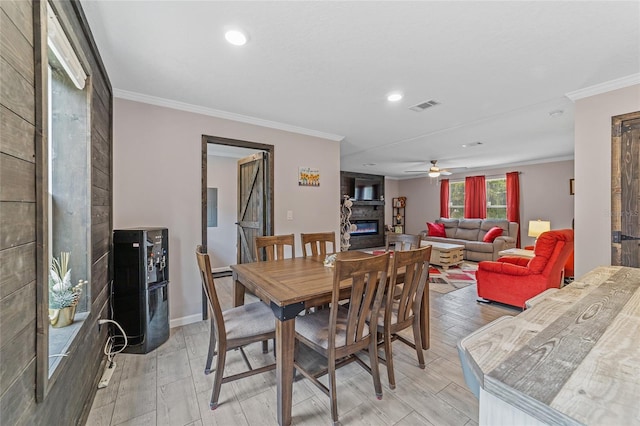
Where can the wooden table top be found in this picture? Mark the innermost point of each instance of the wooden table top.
(288, 281)
(573, 357)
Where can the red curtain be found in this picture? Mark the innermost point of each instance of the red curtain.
(444, 198)
(513, 200)
(475, 197)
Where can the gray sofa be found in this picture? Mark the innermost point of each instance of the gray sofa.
(470, 232)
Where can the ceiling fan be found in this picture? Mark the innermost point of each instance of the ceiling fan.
(434, 171)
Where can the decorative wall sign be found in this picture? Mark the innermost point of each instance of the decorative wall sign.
(308, 176)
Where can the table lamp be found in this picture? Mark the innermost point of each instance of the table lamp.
(537, 227)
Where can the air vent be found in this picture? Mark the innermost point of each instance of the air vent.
(424, 105)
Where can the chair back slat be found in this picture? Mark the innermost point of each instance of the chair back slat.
(415, 264)
(318, 243)
(401, 242)
(368, 278)
(271, 247)
(208, 285)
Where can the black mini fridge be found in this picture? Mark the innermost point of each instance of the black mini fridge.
(140, 286)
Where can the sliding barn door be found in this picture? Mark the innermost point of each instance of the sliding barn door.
(253, 203)
(625, 190)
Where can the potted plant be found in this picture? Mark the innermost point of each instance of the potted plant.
(63, 297)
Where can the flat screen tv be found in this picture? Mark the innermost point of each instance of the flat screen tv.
(367, 190)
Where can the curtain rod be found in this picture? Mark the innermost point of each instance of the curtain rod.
(486, 176)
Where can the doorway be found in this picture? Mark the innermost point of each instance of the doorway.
(625, 190)
(232, 240)
(252, 147)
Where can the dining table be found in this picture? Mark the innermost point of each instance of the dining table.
(291, 286)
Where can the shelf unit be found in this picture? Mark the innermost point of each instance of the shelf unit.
(399, 223)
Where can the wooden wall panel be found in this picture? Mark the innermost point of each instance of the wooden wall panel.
(18, 224)
(100, 123)
(16, 136)
(99, 158)
(99, 248)
(17, 354)
(100, 178)
(17, 403)
(15, 48)
(20, 14)
(17, 268)
(100, 197)
(17, 310)
(100, 214)
(73, 384)
(19, 179)
(16, 93)
(99, 277)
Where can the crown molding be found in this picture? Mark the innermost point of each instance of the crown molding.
(607, 86)
(182, 106)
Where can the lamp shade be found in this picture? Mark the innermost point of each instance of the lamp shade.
(537, 227)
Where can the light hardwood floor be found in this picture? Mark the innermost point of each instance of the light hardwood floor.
(168, 385)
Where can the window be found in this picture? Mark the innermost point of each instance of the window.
(456, 200)
(496, 199)
(68, 221)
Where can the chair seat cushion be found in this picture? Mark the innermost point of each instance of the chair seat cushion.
(248, 320)
(314, 327)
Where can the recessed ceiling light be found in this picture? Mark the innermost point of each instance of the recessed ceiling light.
(236, 37)
(369, 164)
(394, 97)
(556, 113)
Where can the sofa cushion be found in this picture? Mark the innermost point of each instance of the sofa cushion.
(479, 246)
(492, 234)
(488, 224)
(468, 229)
(450, 226)
(436, 229)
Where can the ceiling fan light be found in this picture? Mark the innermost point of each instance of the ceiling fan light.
(434, 174)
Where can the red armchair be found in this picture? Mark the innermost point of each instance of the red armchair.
(513, 280)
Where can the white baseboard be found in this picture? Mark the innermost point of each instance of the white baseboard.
(185, 320)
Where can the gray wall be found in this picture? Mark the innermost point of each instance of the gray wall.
(21, 278)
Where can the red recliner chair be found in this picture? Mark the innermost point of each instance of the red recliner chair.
(513, 280)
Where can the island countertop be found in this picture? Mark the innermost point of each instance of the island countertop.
(573, 357)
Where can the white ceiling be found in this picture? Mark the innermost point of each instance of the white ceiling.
(324, 68)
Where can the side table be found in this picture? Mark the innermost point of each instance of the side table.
(517, 252)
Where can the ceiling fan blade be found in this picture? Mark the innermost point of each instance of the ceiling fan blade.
(416, 171)
(445, 172)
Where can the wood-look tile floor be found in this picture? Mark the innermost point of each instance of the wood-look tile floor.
(168, 386)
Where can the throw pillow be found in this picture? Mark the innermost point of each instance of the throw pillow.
(436, 229)
(492, 234)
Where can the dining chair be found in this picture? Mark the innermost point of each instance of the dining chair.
(399, 242)
(273, 247)
(341, 331)
(232, 329)
(402, 309)
(318, 243)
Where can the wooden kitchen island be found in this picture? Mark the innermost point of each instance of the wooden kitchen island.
(572, 358)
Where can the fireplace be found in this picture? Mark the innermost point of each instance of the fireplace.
(365, 227)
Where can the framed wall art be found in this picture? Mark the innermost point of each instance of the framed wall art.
(308, 176)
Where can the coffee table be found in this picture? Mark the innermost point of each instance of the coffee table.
(445, 254)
